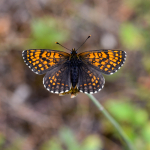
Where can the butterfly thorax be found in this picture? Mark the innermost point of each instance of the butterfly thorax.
(74, 65)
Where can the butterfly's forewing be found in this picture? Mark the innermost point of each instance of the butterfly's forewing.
(57, 80)
(90, 80)
(42, 60)
(105, 61)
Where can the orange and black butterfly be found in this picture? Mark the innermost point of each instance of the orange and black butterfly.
(74, 72)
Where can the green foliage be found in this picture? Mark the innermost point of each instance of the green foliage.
(146, 62)
(143, 93)
(16, 145)
(64, 141)
(67, 140)
(92, 142)
(131, 37)
(2, 140)
(139, 6)
(45, 32)
(125, 112)
(52, 144)
(135, 35)
(133, 120)
(115, 76)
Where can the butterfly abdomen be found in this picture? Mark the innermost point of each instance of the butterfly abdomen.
(74, 75)
(74, 65)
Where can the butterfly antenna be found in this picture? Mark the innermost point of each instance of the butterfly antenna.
(84, 41)
(62, 46)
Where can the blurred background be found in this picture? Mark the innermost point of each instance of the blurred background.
(31, 118)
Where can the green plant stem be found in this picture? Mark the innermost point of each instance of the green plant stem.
(113, 121)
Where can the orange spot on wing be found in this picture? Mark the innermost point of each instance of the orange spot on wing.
(34, 59)
(46, 67)
(100, 55)
(44, 54)
(103, 63)
(101, 67)
(48, 54)
(96, 55)
(104, 55)
(57, 55)
(40, 65)
(97, 60)
(45, 62)
(90, 74)
(33, 64)
(110, 53)
(114, 64)
(37, 57)
(31, 57)
(32, 50)
(52, 55)
(106, 61)
(108, 66)
(51, 63)
(96, 64)
(92, 55)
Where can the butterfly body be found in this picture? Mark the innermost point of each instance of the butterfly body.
(74, 65)
(74, 72)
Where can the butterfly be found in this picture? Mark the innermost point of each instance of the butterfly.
(74, 72)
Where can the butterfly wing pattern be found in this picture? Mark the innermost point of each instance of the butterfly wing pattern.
(57, 80)
(90, 80)
(42, 60)
(105, 61)
(51, 62)
(58, 65)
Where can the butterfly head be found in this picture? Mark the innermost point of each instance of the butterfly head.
(73, 51)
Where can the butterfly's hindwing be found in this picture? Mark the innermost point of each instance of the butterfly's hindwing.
(57, 80)
(90, 80)
(105, 61)
(42, 60)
